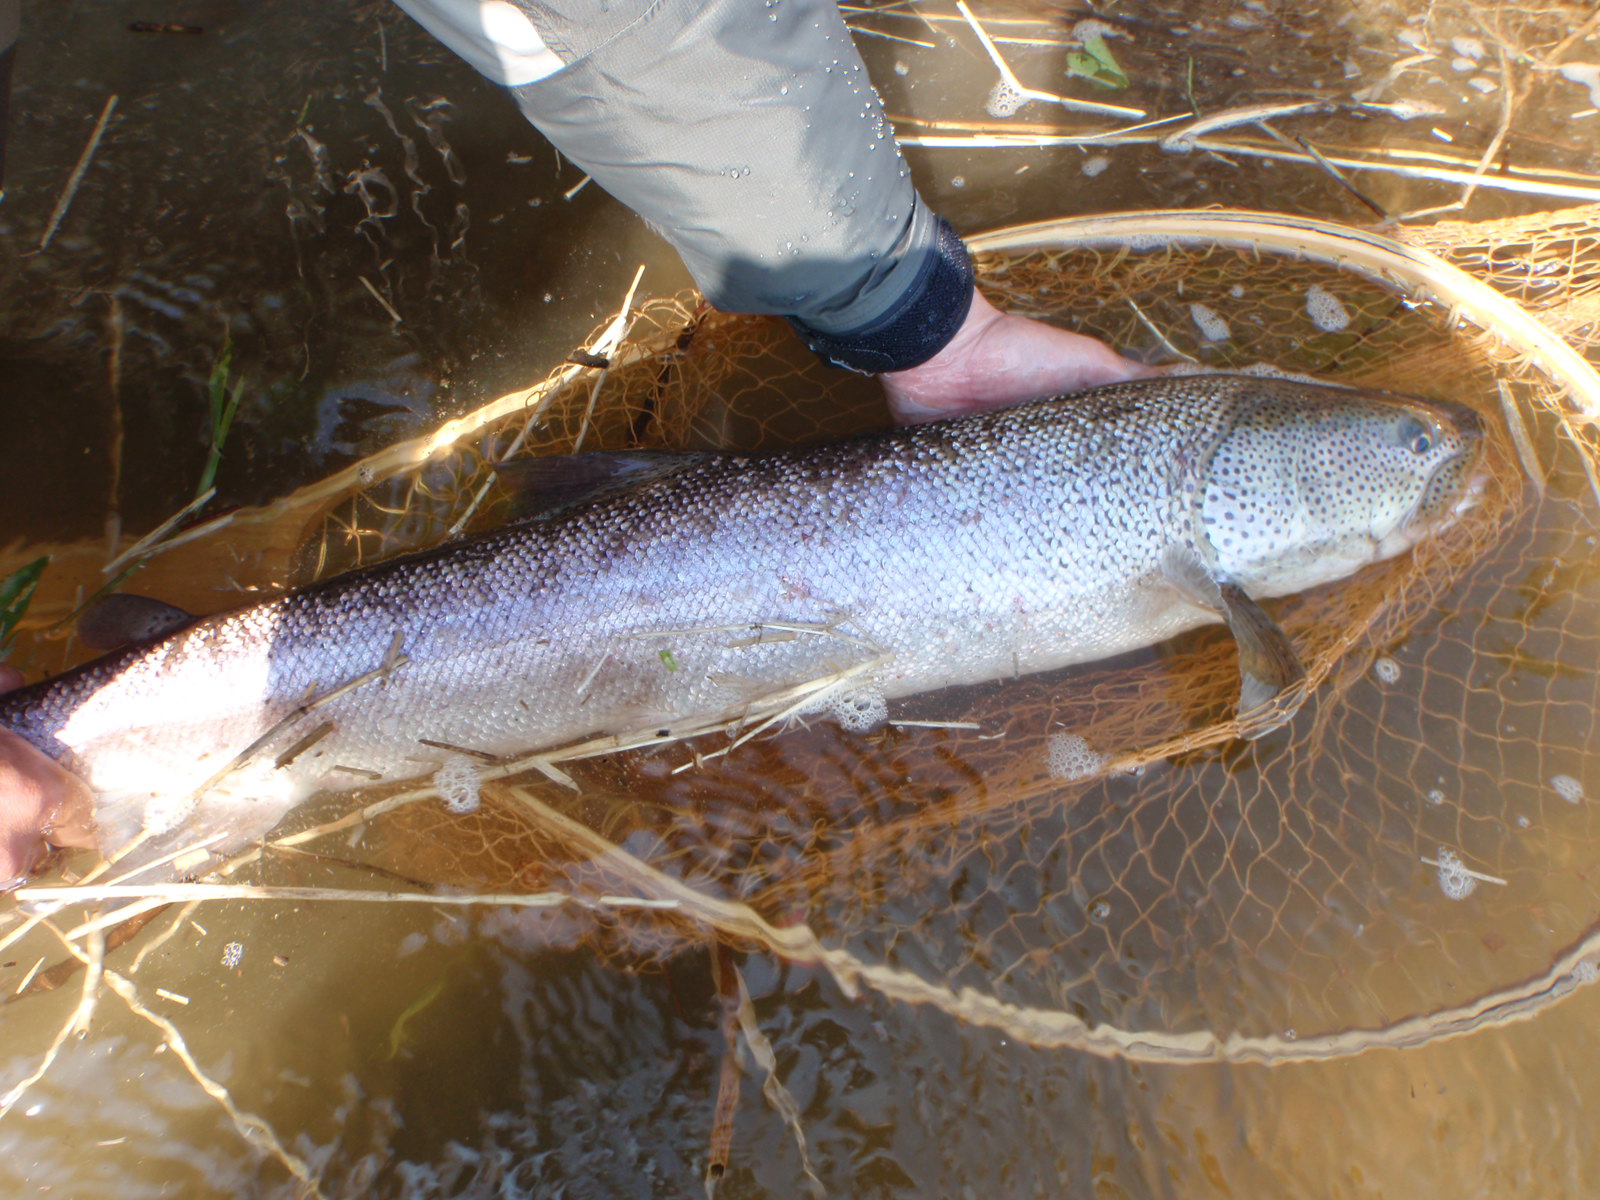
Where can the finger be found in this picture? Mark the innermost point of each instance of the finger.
(41, 804)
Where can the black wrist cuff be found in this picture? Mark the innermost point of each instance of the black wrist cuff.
(916, 328)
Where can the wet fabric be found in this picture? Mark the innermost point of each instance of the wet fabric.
(750, 137)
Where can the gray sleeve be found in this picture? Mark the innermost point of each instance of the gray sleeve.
(747, 133)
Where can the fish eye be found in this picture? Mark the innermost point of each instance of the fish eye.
(1415, 436)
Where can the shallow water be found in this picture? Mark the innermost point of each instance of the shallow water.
(422, 1051)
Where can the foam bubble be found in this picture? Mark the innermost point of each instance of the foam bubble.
(1467, 47)
(1211, 326)
(411, 943)
(1586, 972)
(1454, 879)
(1387, 670)
(1095, 165)
(457, 781)
(1435, 796)
(1004, 100)
(859, 711)
(1067, 756)
(1585, 75)
(1568, 788)
(1325, 310)
(1092, 27)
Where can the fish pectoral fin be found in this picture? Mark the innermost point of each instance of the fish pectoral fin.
(546, 485)
(1271, 677)
(120, 619)
(1193, 580)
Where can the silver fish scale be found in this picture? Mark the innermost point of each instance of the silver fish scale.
(950, 553)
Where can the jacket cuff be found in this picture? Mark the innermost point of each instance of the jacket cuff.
(912, 331)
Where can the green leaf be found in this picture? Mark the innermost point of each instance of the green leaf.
(16, 590)
(1096, 63)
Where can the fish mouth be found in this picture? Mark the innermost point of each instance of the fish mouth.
(1454, 489)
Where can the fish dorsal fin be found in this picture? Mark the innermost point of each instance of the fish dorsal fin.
(548, 484)
(120, 619)
(1271, 677)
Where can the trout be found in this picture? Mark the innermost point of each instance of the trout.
(674, 592)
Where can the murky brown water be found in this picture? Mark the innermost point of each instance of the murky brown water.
(251, 180)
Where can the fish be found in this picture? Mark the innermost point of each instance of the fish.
(675, 592)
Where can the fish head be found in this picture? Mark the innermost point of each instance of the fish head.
(1308, 484)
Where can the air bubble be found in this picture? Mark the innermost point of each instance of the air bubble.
(859, 711)
(1067, 756)
(1584, 75)
(1099, 909)
(1211, 325)
(1095, 165)
(1004, 100)
(1455, 880)
(1325, 310)
(457, 782)
(1091, 27)
(1568, 788)
(1387, 670)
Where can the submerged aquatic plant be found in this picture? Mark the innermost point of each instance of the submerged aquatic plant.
(16, 590)
(223, 404)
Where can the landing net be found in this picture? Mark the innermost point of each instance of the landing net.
(1093, 859)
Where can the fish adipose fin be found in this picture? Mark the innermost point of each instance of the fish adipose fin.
(552, 483)
(1271, 677)
(119, 620)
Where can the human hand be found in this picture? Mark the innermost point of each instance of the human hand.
(996, 360)
(41, 803)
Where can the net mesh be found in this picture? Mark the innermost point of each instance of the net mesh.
(1093, 858)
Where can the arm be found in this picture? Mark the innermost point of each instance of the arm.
(750, 137)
